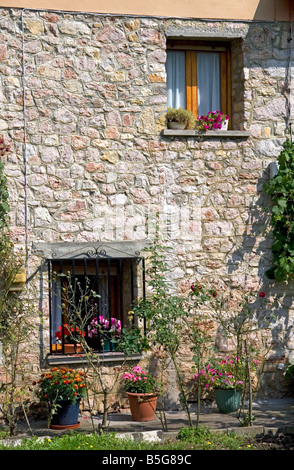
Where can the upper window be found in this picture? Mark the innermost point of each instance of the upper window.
(199, 76)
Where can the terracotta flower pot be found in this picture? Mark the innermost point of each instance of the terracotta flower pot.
(68, 348)
(143, 406)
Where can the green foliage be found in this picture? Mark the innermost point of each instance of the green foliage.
(4, 206)
(181, 115)
(132, 341)
(17, 325)
(281, 190)
(194, 434)
(162, 311)
(290, 372)
(190, 440)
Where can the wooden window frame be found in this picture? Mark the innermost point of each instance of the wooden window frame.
(191, 48)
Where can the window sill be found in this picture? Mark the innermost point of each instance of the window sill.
(207, 134)
(80, 359)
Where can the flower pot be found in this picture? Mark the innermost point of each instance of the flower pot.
(66, 414)
(68, 348)
(106, 345)
(143, 406)
(227, 400)
(225, 125)
(176, 125)
(72, 348)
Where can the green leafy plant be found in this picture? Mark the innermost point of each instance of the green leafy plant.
(236, 312)
(181, 115)
(281, 190)
(289, 375)
(164, 312)
(4, 205)
(17, 319)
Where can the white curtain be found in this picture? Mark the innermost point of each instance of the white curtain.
(176, 79)
(208, 78)
(56, 311)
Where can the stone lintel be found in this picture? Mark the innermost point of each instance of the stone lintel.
(220, 34)
(65, 250)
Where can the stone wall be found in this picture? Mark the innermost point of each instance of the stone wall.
(96, 164)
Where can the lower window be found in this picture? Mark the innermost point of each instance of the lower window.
(91, 298)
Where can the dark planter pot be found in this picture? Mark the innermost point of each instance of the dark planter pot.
(143, 406)
(66, 414)
(227, 400)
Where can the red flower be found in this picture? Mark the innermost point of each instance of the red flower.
(262, 294)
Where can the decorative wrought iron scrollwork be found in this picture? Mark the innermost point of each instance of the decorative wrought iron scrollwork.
(96, 253)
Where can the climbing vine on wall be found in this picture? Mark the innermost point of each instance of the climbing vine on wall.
(4, 206)
(281, 190)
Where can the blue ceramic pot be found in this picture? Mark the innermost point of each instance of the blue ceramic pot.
(227, 400)
(66, 414)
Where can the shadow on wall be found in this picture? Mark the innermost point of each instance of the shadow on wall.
(252, 257)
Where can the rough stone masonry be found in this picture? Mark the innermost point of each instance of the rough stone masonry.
(96, 164)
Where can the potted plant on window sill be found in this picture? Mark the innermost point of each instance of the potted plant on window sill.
(214, 120)
(179, 118)
(108, 333)
(68, 340)
(142, 391)
(62, 390)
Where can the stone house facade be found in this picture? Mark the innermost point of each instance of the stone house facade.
(83, 98)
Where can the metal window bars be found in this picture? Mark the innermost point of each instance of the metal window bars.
(116, 283)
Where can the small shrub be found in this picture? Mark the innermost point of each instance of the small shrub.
(181, 115)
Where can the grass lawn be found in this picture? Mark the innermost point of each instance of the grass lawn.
(188, 439)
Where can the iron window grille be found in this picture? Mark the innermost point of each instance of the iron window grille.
(116, 283)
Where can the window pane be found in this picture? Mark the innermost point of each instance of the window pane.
(176, 79)
(208, 74)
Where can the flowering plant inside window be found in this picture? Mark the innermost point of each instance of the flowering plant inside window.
(68, 333)
(211, 121)
(101, 323)
(138, 381)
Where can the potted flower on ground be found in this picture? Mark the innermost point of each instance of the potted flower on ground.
(142, 391)
(179, 118)
(226, 377)
(214, 120)
(62, 390)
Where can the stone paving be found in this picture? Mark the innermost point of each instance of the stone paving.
(270, 416)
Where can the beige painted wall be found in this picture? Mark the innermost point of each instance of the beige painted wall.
(225, 9)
